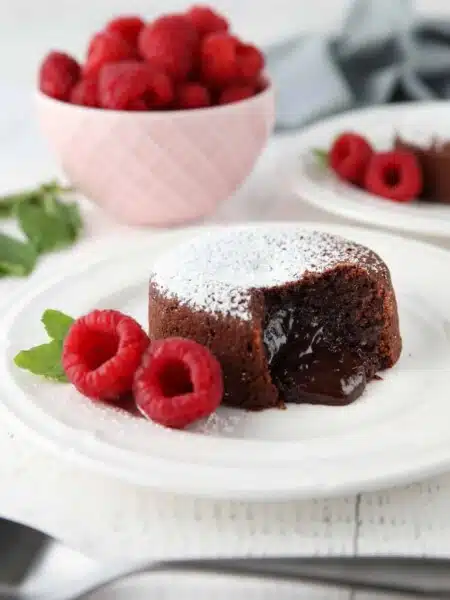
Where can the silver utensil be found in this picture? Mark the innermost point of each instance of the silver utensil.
(413, 577)
(20, 549)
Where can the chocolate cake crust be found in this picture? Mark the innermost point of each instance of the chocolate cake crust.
(292, 316)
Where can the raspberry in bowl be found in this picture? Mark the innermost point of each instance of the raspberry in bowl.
(163, 120)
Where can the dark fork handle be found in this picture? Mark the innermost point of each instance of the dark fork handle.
(416, 577)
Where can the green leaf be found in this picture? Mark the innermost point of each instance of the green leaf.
(7, 208)
(49, 225)
(55, 188)
(44, 360)
(16, 257)
(9, 203)
(57, 324)
(73, 216)
(321, 156)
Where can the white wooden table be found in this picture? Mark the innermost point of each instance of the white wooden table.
(107, 519)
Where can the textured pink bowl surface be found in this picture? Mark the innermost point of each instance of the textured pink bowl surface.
(158, 168)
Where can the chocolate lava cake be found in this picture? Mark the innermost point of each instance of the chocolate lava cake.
(434, 159)
(293, 315)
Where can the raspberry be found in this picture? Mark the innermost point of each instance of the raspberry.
(206, 20)
(58, 74)
(122, 83)
(218, 59)
(129, 27)
(250, 63)
(170, 44)
(178, 382)
(106, 47)
(85, 93)
(102, 352)
(225, 60)
(139, 104)
(349, 157)
(192, 95)
(234, 93)
(261, 84)
(395, 175)
(160, 90)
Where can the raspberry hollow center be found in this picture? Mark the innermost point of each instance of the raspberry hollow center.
(174, 379)
(392, 176)
(99, 347)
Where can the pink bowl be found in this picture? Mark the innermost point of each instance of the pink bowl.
(158, 168)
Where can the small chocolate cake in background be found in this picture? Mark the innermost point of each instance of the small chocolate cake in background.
(434, 159)
(292, 315)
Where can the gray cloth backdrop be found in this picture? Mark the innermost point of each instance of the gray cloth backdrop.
(383, 54)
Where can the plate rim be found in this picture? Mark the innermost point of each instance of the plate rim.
(429, 468)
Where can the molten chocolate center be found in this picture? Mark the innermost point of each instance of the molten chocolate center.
(303, 363)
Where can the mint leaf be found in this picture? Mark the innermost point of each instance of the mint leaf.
(49, 225)
(54, 188)
(16, 257)
(321, 156)
(44, 360)
(7, 208)
(9, 203)
(73, 217)
(56, 324)
(47, 222)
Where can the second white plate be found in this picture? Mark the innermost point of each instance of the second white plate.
(417, 122)
(396, 432)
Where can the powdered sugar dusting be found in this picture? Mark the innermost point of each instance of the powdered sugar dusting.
(218, 424)
(351, 383)
(215, 271)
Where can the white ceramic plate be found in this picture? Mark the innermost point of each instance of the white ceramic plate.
(317, 185)
(396, 432)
